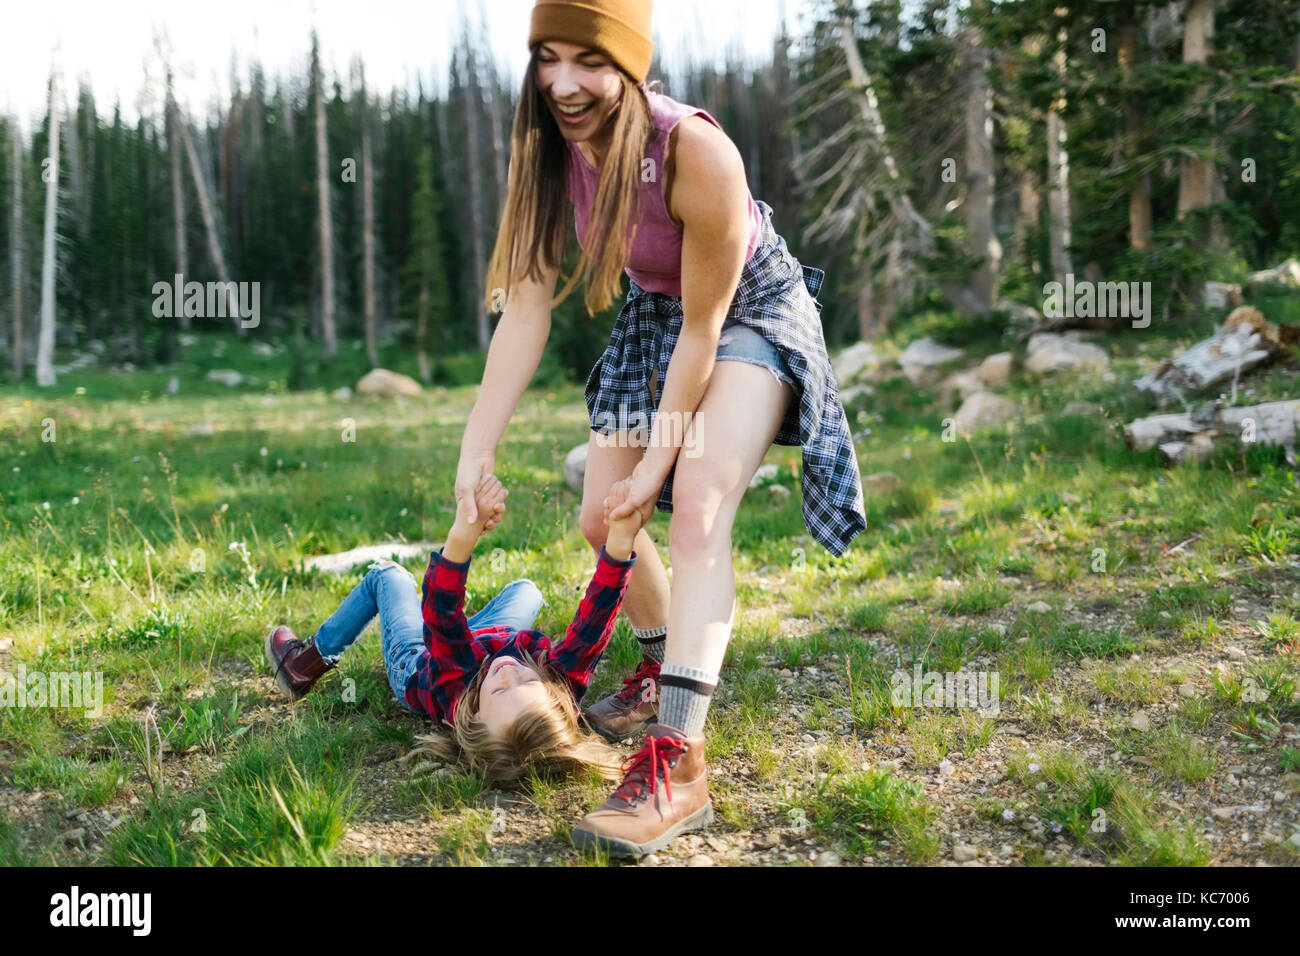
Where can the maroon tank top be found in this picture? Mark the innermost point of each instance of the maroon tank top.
(655, 260)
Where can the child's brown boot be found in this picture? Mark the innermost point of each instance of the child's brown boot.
(297, 664)
(629, 711)
(665, 794)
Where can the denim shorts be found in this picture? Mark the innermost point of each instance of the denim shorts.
(742, 343)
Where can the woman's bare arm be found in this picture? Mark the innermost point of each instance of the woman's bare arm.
(710, 196)
(513, 357)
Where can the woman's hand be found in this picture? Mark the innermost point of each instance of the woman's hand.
(642, 492)
(473, 468)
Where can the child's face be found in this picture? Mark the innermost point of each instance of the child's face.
(506, 691)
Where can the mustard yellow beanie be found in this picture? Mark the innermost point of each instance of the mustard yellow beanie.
(621, 28)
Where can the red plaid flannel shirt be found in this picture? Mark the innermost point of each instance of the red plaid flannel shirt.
(453, 653)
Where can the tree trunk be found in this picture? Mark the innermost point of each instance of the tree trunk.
(1196, 176)
(1139, 198)
(1028, 204)
(422, 333)
(984, 243)
(17, 233)
(1058, 181)
(475, 196)
(45, 341)
(323, 214)
(178, 193)
(961, 297)
(368, 233)
(209, 219)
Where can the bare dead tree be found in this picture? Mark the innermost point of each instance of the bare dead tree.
(45, 337)
(17, 234)
(868, 197)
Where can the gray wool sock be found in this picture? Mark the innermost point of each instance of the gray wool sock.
(653, 641)
(684, 697)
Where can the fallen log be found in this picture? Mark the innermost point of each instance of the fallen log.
(1193, 436)
(1244, 341)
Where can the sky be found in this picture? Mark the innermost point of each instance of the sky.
(111, 41)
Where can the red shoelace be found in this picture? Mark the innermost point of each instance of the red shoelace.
(635, 685)
(646, 765)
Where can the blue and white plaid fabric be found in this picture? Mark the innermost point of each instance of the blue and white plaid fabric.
(776, 297)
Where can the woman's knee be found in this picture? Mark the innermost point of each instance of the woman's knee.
(591, 521)
(702, 518)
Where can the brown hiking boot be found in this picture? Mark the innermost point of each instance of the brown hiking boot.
(297, 664)
(629, 711)
(665, 794)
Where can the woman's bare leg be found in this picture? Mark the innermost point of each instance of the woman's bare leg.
(646, 600)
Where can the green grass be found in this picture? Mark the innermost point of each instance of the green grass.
(166, 551)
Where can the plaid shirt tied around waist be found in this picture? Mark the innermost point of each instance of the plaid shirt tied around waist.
(776, 297)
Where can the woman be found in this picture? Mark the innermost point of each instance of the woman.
(718, 352)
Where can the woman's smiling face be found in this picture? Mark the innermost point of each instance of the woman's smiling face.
(570, 77)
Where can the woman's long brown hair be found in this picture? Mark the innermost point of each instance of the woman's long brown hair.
(534, 229)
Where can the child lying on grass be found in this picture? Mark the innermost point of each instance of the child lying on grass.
(508, 694)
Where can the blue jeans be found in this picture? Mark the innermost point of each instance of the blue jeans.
(391, 591)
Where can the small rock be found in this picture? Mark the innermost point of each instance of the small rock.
(1232, 780)
(74, 812)
(881, 481)
(1082, 409)
(1140, 721)
(575, 468)
(1221, 813)
(964, 851)
(808, 739)
(926, 353)
(1232, 652)
(853, 360)
(963, 384)
(173, 385)
(1006, 850)
(1187, 689)
(995, 370)
(984, 410)
(385, 384)
(700, 859)
(226, 376)
(341, 394)
(1294, 841)
(1049, 352)
(75, 835)
(827, 858)
(651, 860)
(1039, 607)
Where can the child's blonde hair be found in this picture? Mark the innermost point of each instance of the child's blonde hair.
(545, 736)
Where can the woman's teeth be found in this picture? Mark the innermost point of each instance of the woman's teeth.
(572, 110)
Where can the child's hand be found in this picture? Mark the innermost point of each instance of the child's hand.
(622, 530)
(489, 503)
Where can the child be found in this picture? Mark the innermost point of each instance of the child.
(508, 694)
